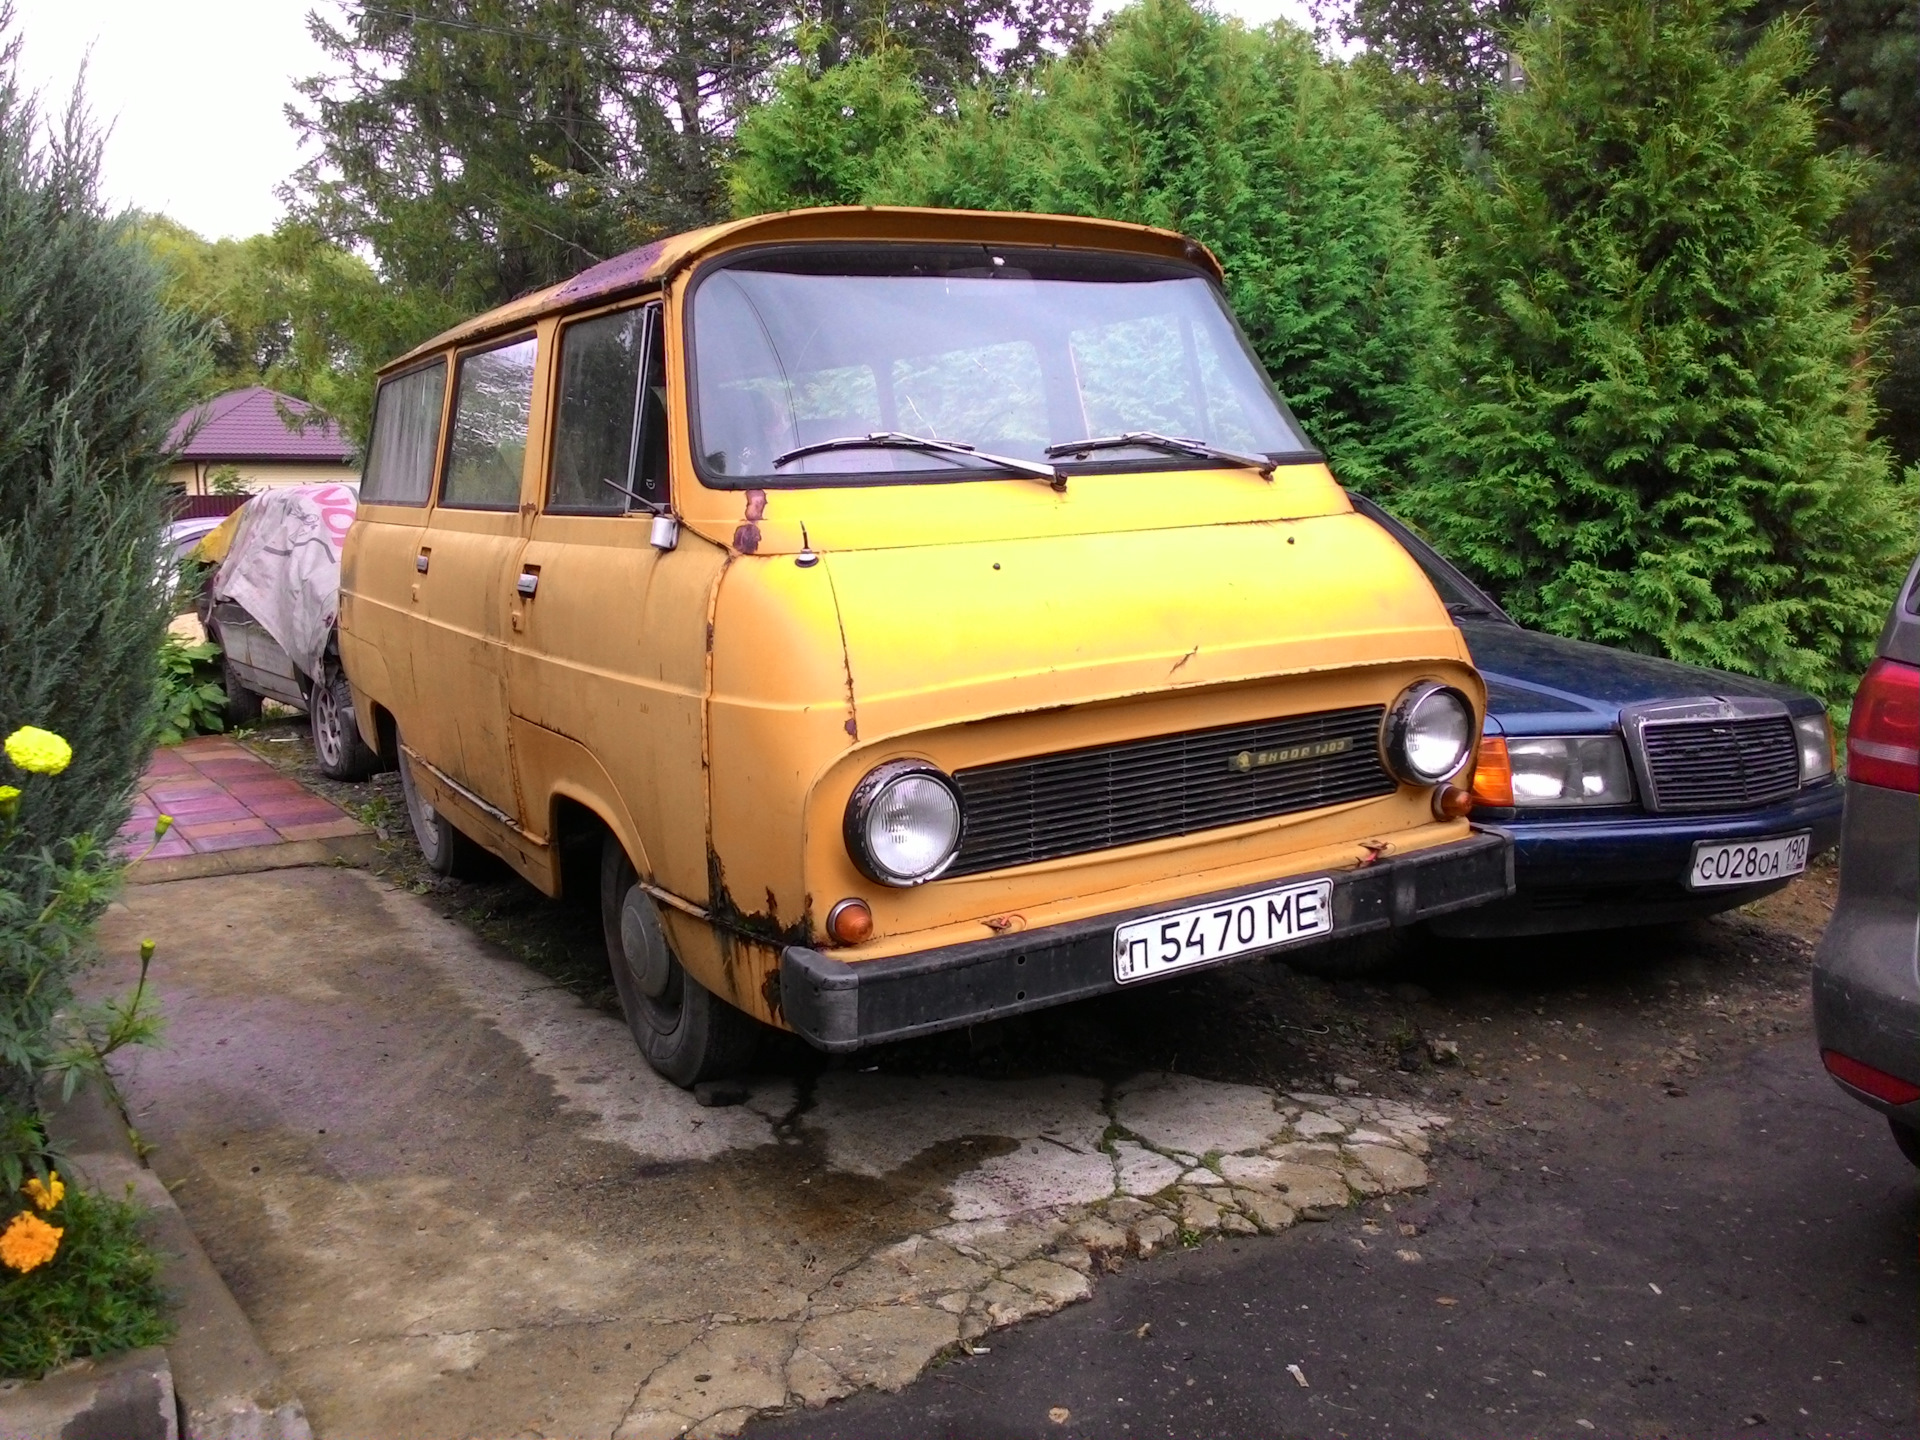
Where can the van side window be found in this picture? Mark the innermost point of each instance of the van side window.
(406, 437)
(490, 411)
(610, 440)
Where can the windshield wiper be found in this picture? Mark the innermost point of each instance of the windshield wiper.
(1172, 444)
(895, 440)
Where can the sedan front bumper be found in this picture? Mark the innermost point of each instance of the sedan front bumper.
(840, 1006)
(1598, 871)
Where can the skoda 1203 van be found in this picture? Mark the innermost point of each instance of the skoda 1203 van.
(901, 619)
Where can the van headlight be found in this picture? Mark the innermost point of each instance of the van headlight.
(1429, 733)
(1569, 770)
(903, 823)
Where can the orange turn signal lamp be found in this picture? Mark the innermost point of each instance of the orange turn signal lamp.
(850, 921)
(1493, 773)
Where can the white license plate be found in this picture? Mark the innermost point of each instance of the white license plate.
(1177, 939)
(1719, 863)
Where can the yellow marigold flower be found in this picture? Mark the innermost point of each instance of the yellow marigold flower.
(40, 751)
(46, 1195)
(161, 824)
(28, 1242)
(9, 799)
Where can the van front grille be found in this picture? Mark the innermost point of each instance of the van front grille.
(1078, 801)
(1721, 764)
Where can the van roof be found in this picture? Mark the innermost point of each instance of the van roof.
(652, 263)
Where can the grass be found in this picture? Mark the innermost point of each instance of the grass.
(99, 1295)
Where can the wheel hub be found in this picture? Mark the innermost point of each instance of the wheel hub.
(644, 944)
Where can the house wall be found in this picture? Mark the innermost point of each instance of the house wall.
(191, 476)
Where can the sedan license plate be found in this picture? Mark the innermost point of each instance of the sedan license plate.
(1719, 863)
(1177, 939)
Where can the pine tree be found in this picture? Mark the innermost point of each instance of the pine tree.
(1659, 435)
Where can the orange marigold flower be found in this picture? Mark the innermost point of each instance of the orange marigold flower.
(28, 1242)
(46, 1195)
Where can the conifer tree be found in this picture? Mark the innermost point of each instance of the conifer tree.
(1658, 428)
(1246, 140)
(93, 371)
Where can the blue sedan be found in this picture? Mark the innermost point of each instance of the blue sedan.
(1636, 790)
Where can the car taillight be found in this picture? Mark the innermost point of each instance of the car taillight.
(1862, 1076)
(1883, 737)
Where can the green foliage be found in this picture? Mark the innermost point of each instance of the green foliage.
(99, 1294)
(1243, 139)
(1442, 59)
(1658, 428)
(193, 701)
(93, 370)
(47, 910)
(826, 136)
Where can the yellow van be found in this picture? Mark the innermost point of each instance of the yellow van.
(902, 618)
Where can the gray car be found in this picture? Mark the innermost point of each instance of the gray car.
(1866, 979)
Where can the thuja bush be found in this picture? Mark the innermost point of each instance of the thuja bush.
(1657, 428)
(1247, 140)
(93, 369)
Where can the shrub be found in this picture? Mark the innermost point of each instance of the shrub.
(1658, 437)
(192, 700)
(92, 373)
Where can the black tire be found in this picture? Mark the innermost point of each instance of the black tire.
(243, 706)
(337, 744)
(1907, 1138)
(1353, 958)
(445, 849)
(687, 1033)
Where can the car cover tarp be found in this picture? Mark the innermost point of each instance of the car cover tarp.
(283, 566)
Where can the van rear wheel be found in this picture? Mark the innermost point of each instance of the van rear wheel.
(687, 1033)
(442, 846)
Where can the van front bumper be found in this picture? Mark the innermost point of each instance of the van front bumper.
(839, 1006)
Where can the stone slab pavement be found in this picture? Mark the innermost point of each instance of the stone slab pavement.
(453, 1200)
(223, 798)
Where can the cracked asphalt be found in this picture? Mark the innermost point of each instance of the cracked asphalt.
(1735, 1260)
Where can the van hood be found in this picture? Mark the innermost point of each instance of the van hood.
(941, 634)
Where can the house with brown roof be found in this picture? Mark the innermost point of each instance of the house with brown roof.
(243, 437)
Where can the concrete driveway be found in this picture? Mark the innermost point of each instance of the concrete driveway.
(454, 1202)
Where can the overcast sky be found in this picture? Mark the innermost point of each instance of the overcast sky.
(195, 91)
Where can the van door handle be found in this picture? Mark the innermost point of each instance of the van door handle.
(423, 559)
(528, 582)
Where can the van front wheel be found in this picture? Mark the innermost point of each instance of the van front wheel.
(687, 1033)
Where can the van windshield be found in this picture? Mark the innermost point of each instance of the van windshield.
(1011, 351)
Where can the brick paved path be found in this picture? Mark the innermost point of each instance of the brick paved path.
(224, 797)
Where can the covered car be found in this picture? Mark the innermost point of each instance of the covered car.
(1636, 790)
(273, 609)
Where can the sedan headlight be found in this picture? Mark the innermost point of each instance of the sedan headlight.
(903, 823)
(1569, 770)
(1815, 735)
(1429, 733)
